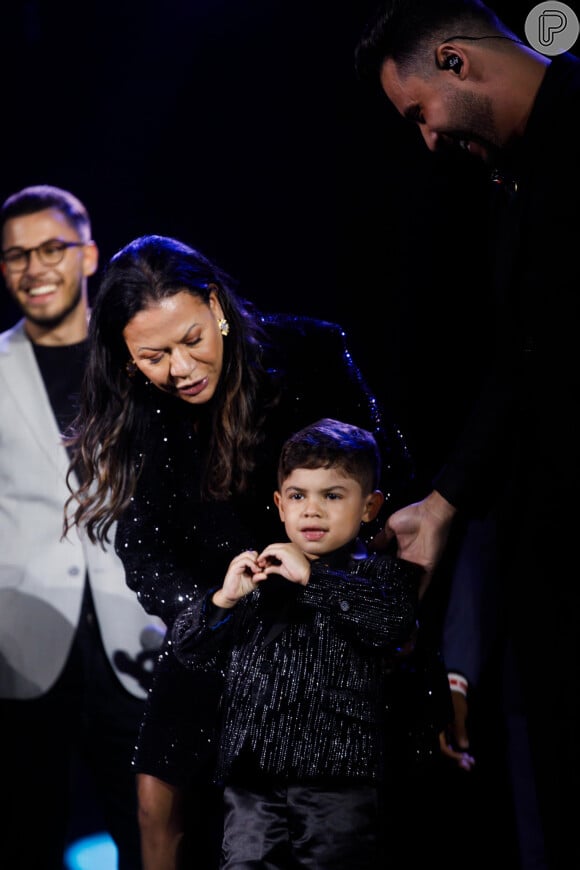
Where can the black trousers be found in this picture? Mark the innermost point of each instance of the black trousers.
(299, 826)
(88, 721)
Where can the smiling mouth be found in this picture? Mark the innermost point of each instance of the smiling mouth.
(44, 290)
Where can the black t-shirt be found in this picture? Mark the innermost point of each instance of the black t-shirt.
(62, 368)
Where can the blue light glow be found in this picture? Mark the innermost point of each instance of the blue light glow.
(97, 852)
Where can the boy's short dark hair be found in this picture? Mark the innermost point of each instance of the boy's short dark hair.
(331, 443)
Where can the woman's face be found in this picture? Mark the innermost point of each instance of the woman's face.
(178, 346)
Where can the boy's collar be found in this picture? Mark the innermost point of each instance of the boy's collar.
(355, 549)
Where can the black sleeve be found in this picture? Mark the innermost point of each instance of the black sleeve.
(377, 603)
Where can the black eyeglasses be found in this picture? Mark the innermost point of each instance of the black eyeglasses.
(50, 253)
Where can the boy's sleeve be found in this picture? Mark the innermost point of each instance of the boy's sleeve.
(200, 633)
(377, 600)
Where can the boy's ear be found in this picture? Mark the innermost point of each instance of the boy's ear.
(373, 504)
(278, 503)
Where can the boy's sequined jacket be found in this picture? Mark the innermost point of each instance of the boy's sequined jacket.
(306, 667)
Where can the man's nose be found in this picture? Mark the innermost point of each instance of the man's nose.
(430, 137)
(34, 263)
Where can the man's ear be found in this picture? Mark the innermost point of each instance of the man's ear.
(90, 258)
(451, 57)
(373, 504)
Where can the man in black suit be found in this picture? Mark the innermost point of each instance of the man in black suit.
(473, 85)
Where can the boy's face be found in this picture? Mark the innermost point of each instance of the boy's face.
(322, 509)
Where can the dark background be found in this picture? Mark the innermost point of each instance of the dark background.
(239, 127)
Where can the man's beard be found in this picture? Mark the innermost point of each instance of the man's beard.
(56, 319)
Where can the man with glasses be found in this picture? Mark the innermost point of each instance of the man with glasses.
(75, 644)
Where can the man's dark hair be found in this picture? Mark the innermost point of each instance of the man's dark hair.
(403, 29)
(331, 443)
(38, 197)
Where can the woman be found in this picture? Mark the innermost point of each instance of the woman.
(188, 396)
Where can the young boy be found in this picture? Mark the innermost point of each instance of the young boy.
(306, 632)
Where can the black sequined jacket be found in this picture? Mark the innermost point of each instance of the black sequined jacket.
(306, 668)
(175, 546)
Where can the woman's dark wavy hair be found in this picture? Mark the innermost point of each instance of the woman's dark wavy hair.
(115, 406)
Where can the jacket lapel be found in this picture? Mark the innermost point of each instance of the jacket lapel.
(23, 380)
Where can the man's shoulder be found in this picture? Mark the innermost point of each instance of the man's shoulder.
(561, 83)
(12, 337)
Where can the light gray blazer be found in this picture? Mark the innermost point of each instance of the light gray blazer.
(42, 576)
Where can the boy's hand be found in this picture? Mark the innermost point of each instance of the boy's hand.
(284, 559)
(242, 577)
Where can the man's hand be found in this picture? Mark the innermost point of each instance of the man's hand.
(421, 531)
(454, 741)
